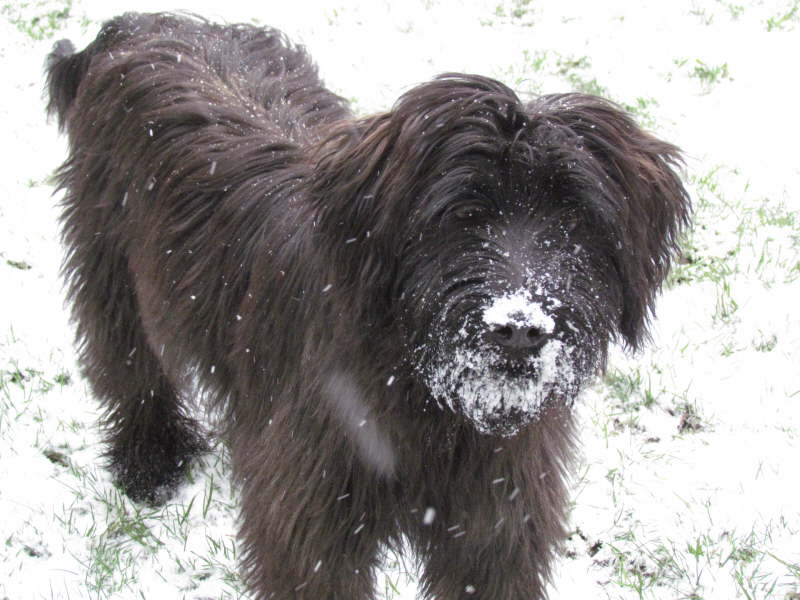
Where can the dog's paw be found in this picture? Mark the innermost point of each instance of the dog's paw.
(151, 473)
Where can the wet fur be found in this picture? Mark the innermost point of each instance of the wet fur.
(227, 218)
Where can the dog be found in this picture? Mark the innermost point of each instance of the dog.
(391, 315)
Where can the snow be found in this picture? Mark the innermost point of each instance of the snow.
(469, 381)
(725, 347)
(352, 412)
(518, 309)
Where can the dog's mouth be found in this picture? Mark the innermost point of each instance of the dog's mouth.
(508, 369)
(500, 395)
(503, 423)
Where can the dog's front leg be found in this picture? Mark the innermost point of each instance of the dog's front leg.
(495, 514)
(311, 527)
(491, 561)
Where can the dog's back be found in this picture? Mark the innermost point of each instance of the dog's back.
(259, 66)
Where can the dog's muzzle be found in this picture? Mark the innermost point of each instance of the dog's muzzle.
(502, 377)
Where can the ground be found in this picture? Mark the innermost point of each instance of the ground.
(687, 483)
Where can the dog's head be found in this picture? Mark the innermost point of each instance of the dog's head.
(509, 242)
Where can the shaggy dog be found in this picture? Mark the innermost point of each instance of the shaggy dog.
(392, 314)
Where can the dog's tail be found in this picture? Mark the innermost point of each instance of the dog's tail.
(65, 70)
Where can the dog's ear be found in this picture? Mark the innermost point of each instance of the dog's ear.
(373, 169)
(641, 185)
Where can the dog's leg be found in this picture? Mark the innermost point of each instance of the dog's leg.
(476, 560)
(150, 439)
(492, 532)
(308, 531)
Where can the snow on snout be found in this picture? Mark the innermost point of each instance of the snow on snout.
(520, 310)
(473, 379)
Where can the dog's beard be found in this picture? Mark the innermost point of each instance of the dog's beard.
(501, 394)
(495, 398)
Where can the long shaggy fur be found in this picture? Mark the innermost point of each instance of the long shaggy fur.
(392, 314)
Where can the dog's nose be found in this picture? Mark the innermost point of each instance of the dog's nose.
(511, 336)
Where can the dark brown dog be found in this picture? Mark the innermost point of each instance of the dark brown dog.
(393, 314)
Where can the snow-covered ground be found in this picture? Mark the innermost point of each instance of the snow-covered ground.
(689, 486)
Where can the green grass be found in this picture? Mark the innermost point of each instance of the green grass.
(628, 393)
(787, 19)
(735, 234)
(39, 19)
(630, 388)
(710, 14)
(517, 12)
(655, 569)
(576, 71)
(517, 9)
(710, 75)
(19, 264)
(705, 17)
(30, 380)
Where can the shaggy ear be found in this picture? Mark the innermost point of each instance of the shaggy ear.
(388, 158)
(643, 187)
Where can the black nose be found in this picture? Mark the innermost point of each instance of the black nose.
(517, 337)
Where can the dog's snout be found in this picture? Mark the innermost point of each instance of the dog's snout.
(511, 336)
